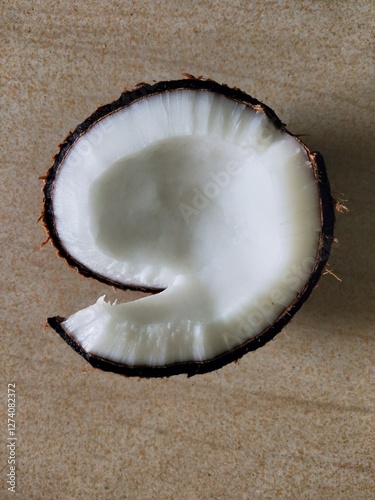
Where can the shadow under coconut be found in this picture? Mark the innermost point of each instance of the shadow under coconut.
(349, 159)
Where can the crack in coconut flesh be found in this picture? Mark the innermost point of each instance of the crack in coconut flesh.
(197, 191)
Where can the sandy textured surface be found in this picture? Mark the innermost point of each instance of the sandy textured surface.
(292, 420)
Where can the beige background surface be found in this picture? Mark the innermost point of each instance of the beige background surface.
(292, 420)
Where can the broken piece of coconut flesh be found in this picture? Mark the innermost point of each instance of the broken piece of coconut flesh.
(196, 190)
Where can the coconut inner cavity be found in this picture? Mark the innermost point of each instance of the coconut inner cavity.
(172, 204)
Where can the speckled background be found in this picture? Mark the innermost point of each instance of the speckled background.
(292, 420)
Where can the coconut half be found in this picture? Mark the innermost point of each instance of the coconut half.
(196, 191)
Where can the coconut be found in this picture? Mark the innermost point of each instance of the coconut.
(197, 192)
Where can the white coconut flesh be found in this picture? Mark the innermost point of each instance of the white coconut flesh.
(196, 194)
